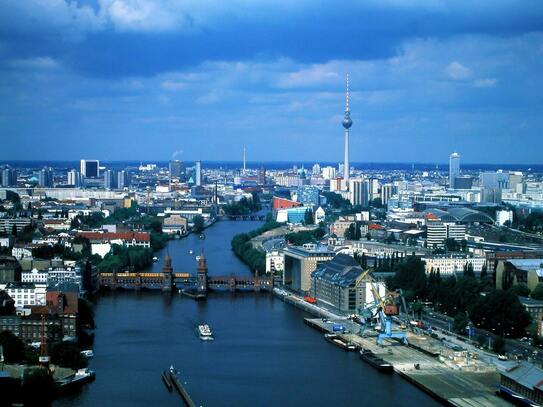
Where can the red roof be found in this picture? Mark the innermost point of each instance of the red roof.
(374, 226)
(127, 236)
(282, 203)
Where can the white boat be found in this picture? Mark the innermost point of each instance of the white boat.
(155, 258)
(87, 353)
(198, 258)
(190, 251)
(204, 331)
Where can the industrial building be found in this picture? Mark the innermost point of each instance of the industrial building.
(340, 284)
(300, 262)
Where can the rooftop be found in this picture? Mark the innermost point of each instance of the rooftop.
(342, 270)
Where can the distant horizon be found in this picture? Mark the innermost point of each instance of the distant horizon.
(291, 163)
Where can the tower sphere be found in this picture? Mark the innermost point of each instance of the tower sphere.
(347, 122)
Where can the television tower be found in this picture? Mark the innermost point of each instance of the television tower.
(347, 123)
(244, 156)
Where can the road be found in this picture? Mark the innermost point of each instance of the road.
(512, 346)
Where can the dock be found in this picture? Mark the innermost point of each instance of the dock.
(472, 385)
(172, 382)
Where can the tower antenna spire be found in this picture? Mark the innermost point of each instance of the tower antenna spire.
(348, 94)
(347, 123)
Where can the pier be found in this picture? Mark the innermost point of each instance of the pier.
(171, 381)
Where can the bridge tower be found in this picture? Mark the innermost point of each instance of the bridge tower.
(202, 273)
(167, 274)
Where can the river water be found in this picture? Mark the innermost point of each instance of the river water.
(263, 353)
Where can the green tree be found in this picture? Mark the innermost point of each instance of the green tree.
(38, 387)
(537, 292)
(67, 354)
(499, 345)
(14, 230)
(12, 347)
(461, 321)
(198, 222)
(520, 290)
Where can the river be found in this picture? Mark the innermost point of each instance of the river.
(263, 353)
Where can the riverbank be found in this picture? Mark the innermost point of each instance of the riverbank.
(471, 386)
(262, 354)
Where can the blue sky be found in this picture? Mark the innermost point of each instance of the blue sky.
(148, 80)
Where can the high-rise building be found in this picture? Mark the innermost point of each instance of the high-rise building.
(9, 177)
(74, 178)
(454, 169)
(110, 179)
(198, 171)
(347, 123)
(122, 180)
(90, 168)
(358, 192)
(438, 231)
(244, 160)
(491, 184)
(175, 169)
(45, 177)
(387, 191)
(316, 170)
(329, 172)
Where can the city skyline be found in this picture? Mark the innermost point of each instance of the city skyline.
(131, 80)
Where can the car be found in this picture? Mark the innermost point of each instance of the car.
(502, 357)
(523, 339)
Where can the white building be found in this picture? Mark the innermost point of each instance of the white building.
(329, 172)
(275, 262)
(319, 215)
(437, 232)
(358, 192)
(448, 265)
(34, 276)
(25, 294)
(504, 216)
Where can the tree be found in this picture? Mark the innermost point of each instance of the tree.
(38, 387)
(520, 290)
(499, 345)
(14, 230)
(537, 292)
(308, 217)
(12, 346)
(67, 354)
(468, 270)
(411, 277)
(198, 222)
(484, 273)
(461, 321)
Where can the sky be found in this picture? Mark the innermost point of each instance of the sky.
(201, 79)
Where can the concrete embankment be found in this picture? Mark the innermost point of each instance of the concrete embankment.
(470, 385)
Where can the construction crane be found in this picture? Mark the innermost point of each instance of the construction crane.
(386, 309)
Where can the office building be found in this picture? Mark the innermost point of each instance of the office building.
(438, 231)
(387, 191)
(340, 284)
(74, 178)
(9, 177)
(454, 169)
(90, 168)
(110, 179)
(316, 170)
(463, 183)
(358, 192)
(300, 262)
(122, 180)
(177, 170)
(308, 195)
(198, 173)
(492, 184)
(45, 177)
(329, 172)
(504, 216)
